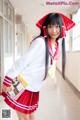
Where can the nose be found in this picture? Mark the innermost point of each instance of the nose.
(54, 29)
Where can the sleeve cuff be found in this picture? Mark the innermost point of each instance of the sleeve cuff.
(7, 81)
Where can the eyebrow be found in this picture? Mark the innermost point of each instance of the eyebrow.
(53, 25)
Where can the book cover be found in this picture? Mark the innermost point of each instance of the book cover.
(18, 86)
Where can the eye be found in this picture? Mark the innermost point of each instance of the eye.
(57, 26)
(49, 26)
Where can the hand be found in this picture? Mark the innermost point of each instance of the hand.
(6, 89)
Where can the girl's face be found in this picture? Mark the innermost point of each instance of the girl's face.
(53, 31)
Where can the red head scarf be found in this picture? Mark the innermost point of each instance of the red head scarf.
(68, 23)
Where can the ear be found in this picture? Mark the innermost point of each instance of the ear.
(63, 34)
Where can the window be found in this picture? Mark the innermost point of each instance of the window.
(5, 37)
(19, 44)
(76, 31)
(10, 12)
(1, 5)
(67, 41)
(8, 38)
(5, 9)
(20, 28)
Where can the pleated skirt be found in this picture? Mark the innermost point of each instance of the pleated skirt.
(26, 103)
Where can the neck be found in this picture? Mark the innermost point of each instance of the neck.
(53, 41)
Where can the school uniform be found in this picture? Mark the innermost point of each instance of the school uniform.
(31, 67)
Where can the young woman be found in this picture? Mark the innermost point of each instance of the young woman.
(34, 64)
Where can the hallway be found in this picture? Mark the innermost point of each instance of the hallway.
(58, 99)
(57, 102)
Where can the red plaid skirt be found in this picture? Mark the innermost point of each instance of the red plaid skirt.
(26, 103)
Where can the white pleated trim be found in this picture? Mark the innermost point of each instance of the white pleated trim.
(22, 106)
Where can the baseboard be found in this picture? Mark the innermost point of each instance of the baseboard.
(71, 85)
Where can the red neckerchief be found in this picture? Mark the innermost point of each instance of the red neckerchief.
(55, 56)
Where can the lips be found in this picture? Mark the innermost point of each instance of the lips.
(53, 34)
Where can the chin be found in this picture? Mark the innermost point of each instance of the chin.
(54, 37)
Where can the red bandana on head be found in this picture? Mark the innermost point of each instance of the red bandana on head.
(68, 24)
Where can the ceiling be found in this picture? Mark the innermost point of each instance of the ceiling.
(32, 10)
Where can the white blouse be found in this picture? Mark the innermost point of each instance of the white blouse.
(31, 66)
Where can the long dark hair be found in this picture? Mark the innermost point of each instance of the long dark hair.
(63, 57)
(51, 19)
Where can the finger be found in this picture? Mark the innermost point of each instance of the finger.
(3, 89)
(9, 89)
